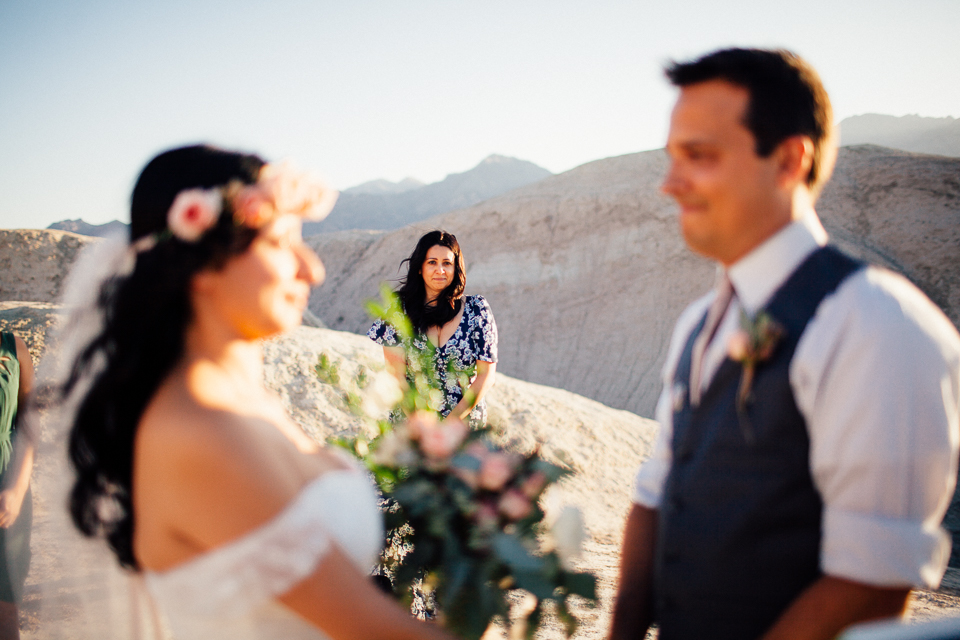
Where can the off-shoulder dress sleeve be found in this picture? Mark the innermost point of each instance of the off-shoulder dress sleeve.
(337, 508)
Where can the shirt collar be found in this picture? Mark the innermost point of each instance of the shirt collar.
(757, 275)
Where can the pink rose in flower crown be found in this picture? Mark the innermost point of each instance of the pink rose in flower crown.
(193, 212)
(496, 469)
(252, 208)
(514, 505)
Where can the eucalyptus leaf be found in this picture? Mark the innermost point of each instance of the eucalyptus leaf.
(581, 584)
(509, 549)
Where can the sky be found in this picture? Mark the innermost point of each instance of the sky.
(364, 89)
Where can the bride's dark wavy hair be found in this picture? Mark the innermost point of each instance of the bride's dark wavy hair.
(146, 314)
(413, 293)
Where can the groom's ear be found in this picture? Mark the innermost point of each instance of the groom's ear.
(794, 158)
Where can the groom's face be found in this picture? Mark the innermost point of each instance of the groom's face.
(725, 191)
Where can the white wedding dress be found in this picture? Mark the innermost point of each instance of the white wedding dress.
(230, 592)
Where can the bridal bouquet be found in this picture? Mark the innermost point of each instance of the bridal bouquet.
(463, 519)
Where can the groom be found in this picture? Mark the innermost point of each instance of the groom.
(798, 485)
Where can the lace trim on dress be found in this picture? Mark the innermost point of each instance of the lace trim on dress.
(264, 563)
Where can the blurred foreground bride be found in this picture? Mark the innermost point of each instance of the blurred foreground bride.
(238, 524)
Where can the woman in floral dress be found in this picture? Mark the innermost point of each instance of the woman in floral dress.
(461, 329)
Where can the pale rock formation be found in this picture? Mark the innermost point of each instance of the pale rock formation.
(586, 271)
(35, 262)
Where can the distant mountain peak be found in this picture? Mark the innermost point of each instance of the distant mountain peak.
(385, 186)
(496, 158)
(112, 228)
(381, 204)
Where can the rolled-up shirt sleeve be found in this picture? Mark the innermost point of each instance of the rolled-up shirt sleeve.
(877, 378)
(648, 483)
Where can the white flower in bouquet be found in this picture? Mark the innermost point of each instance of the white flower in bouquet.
(568, 534)
(394, 449)
(381, 394)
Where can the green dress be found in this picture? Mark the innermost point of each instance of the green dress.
(14, 540)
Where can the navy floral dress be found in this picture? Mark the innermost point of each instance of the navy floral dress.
(474, 339)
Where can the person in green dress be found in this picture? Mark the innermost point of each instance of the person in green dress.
(17, 448)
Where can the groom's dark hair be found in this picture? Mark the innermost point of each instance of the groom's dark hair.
(787, 98)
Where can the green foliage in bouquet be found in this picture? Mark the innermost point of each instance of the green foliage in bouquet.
(463, 520)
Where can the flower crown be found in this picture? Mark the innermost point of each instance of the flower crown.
(280, 189)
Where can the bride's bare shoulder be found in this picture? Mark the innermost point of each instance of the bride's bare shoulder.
(203, 475)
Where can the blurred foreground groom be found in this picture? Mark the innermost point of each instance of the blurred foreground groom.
(798, 485)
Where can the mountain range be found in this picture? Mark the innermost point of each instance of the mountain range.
(939, 136)
(384, 205)
(381, 204)
(106, 230)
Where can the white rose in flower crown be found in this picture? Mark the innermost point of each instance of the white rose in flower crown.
(568, 534)
(193, 212)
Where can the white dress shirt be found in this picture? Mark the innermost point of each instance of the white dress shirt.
(876, 376)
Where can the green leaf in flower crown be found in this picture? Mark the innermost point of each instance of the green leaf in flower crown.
(511, 550)
(581, 584)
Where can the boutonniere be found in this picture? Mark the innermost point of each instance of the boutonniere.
(754, 342)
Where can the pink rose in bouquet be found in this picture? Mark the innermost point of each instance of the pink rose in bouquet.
(514, 505)
(496, 469)
(439, 440)
(534, 485)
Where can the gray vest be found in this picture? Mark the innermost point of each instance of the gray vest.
(739, 524)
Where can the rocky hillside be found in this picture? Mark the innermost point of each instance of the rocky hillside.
(586, 271)
(34, 263)
(383, 205)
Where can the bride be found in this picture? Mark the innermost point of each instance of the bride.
(241, 525)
